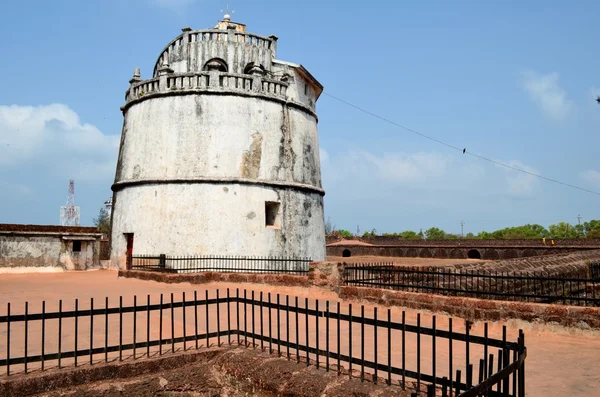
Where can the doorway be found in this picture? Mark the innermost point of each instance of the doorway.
(129, 239)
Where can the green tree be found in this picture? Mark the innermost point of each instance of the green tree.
(593, 234)
(345, 233)
(372, 233)
(591, 226)
(434, 233)
(563, 230)
(102, 222)
(517, 232)
(484, 235)
(410, 235)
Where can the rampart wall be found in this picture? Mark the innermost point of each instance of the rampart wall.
(459, 249)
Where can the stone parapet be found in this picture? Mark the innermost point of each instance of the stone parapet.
(208, 82)
(210, 277)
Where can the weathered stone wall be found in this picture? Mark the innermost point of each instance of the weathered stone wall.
(214, 371)
(209, 277)
(449, 251)
(397, 241)
(320, 274)
(17, 251)
(479, 309)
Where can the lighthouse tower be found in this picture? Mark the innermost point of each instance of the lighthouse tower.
(219, 152)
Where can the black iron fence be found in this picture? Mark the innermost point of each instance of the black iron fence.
(573, 288)
(419, 353)
(595, 271)
(225, 264)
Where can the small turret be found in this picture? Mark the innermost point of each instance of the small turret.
(136, 76)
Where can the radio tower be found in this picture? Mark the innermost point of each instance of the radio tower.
(108, 206)
(69, 214)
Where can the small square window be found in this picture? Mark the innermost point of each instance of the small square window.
(76, 246)
(271, 214)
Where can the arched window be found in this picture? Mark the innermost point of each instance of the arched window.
(253, 68)
(346, 253)
(216, 64)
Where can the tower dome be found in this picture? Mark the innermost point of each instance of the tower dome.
(219, 152)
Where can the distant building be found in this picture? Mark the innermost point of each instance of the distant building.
(219, 152)
(48, 246)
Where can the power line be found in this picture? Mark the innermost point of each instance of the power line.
(463, 150)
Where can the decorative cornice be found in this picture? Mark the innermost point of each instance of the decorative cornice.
(117, 186)
(222, 91)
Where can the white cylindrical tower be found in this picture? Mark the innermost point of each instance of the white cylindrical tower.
(219, 153)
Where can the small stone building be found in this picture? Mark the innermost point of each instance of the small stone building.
(219, 152)
(48, 246)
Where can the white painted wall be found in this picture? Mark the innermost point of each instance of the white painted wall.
(208, 219)
(222, 138)
(207, 136)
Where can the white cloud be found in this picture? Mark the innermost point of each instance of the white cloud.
(418, 170)
(53, 140)
(431, 176)
(521, 184)
(398, 190)
(400, 167)
(544, 91)
(591, 176)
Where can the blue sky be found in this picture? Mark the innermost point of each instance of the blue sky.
(514, 81)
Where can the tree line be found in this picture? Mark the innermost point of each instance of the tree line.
(561, 230)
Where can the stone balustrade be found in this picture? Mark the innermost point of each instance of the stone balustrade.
(208, 81)
(145, 87)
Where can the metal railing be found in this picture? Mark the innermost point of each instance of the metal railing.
(224, 264)
(571, 288)
(425, 355)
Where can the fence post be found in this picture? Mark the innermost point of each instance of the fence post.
(162, 261)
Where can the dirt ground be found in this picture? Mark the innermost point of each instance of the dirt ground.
(403, 260)
(560, 361)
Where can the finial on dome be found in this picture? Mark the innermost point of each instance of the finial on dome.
(227, 17)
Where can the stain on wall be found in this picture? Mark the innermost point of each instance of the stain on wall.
(251, 158)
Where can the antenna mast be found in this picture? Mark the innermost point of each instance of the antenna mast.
(69, 214)
(227, 17)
